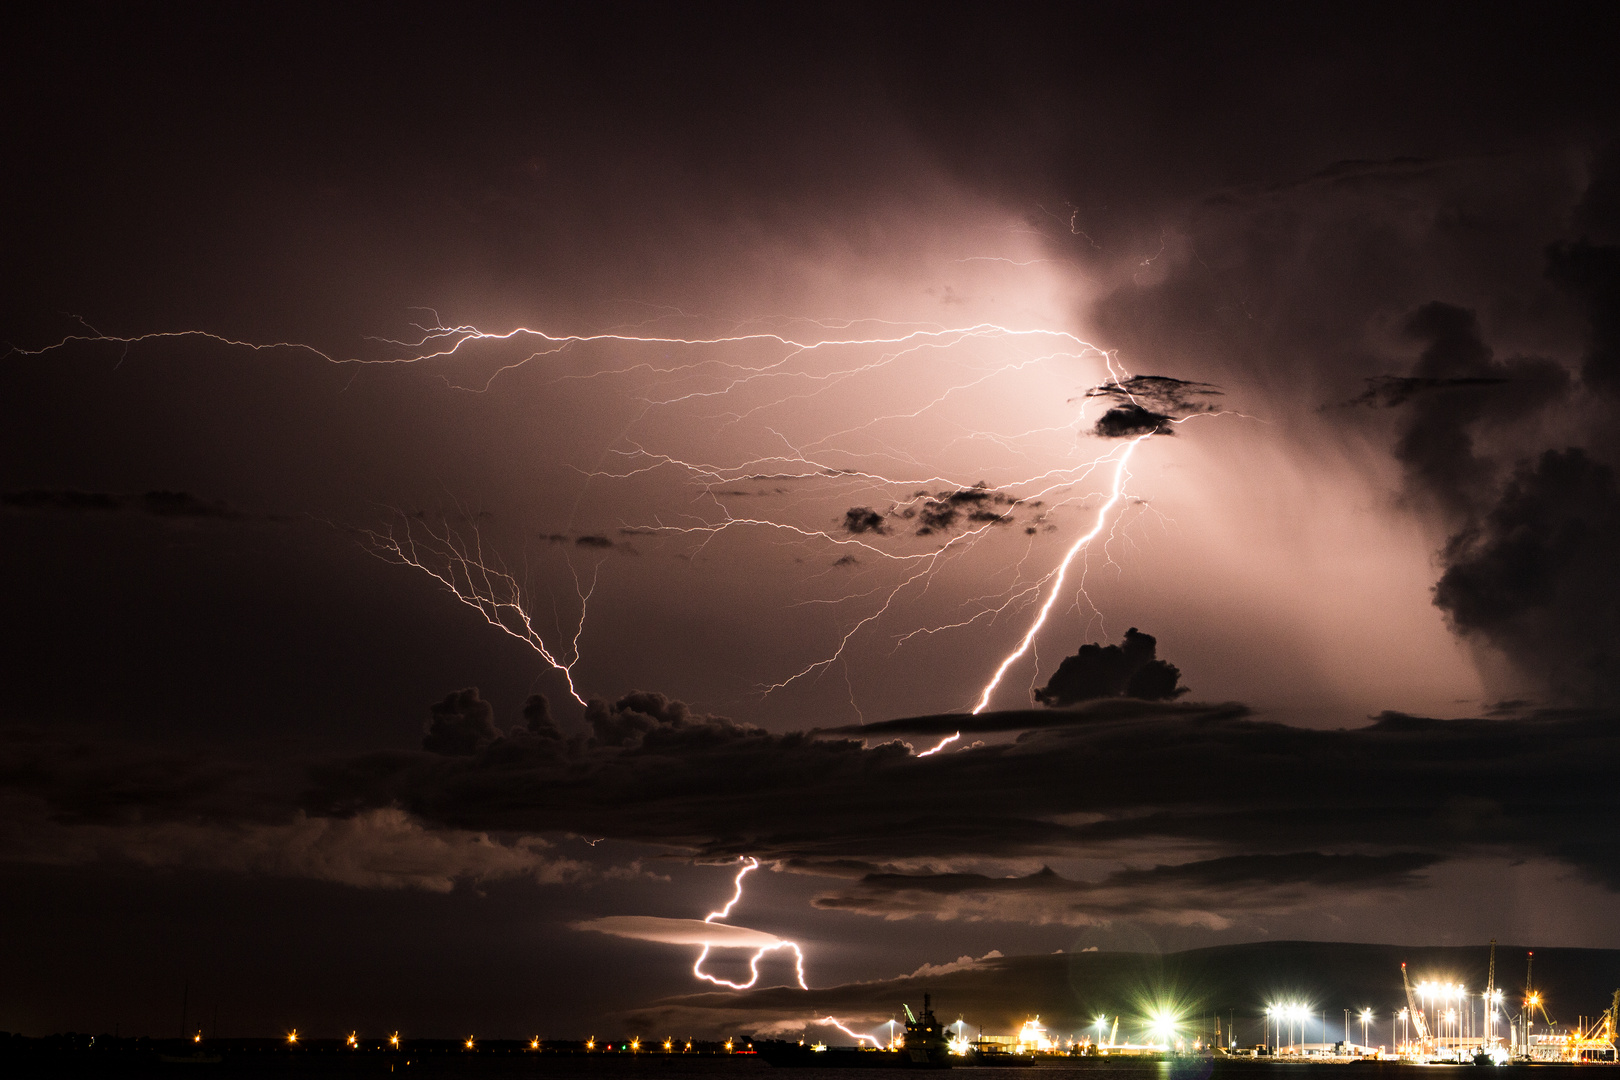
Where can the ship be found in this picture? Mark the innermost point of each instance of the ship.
(924, 1046)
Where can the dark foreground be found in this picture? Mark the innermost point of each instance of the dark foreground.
(493, 1063)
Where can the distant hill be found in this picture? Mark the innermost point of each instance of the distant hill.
(1069, 990)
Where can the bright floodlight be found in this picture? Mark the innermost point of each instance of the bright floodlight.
(1162, 1024)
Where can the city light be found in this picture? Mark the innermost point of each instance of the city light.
(292, 1036)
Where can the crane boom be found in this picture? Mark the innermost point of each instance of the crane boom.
(1412, 1007)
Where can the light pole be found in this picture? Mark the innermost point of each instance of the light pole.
(1366, 1018)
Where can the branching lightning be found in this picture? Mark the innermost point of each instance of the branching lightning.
(1058, 575)
(749, 864)
(724, 377)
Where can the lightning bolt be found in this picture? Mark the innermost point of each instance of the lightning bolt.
(1057, 576)
(749, 864)
(852, 1034)
(457, 559)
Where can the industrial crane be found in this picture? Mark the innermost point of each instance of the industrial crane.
(1418, 1020)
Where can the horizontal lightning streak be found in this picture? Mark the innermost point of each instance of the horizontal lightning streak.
(463, 569)
(852, 1034)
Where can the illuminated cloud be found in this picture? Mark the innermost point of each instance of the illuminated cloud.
(680, 931)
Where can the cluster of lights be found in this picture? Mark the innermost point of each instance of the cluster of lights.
(1289, 1013)
(1441, 991)
(1032, 1038)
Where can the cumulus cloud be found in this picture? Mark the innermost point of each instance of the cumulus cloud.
(1129, 669)
(863, 519)
(945, 511)
(460, 724)
(929, 971)
(680, 931)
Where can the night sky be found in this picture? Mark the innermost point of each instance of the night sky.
(470, 472)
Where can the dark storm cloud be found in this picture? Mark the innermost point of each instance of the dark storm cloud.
(1177, 397)
(1136, 777)
(1588, 270)
(1129, 669)
(70, 801)
(1527, 568)
(174, 505)
(1503, 273)
(944, 511)
(1458, 392)
(183, 504)
(1026, 720)
(460, 724)
(67, 500)
(862, 519)
(1537, 575)
(1206, 892)
(1149, 405)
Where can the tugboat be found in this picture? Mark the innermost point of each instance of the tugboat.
(925, 1046)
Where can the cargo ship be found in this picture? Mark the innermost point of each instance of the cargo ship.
(924, 1046)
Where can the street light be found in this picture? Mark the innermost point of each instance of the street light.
(1366, 1018)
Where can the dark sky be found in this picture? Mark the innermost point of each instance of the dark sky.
(740, 380)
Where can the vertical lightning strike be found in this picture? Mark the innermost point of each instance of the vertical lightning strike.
(750, 864)
(1062, 572)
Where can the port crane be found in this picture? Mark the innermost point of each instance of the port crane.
(1416, 1013)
